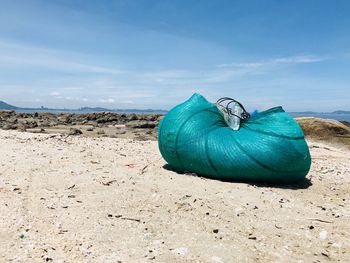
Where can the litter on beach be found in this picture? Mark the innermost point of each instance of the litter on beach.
(217, 142)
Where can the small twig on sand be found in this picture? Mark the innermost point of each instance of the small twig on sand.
(144, 169)
(131, 219)
(71, 187)
(147, 165)
(320, 220)
(108, 183)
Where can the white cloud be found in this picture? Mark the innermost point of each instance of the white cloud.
(107, 101)
(299, 59)
(252, 65)
(228, 71)
(15, 55)
(53, 63)
(55, 93)
(127, 102)
(76, 99)
(275, 62)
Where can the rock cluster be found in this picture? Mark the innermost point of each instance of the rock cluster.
(140, 126)
(12, 120)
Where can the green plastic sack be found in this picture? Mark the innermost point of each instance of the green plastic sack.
(269, 147)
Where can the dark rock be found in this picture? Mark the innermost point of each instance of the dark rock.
(21, 128)
(64, 118)
(141, 137)
(12, 120)
(7, 127)
(92, 123)
(44, 123)
(123, 118)
(152, 117)
(74, 131)
(122, 131)
(346, 123)
(132, 117)
(47, 116)
(32, 124)
(141, 125)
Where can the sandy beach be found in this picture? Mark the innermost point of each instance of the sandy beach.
(77, 199)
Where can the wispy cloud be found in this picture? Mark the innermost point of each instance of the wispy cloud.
(299, 59)
(69, 85)
(275, 62)
(17, 55)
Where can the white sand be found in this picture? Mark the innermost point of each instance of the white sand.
(76, 200)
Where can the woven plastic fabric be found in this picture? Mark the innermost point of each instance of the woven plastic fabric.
(269, 147)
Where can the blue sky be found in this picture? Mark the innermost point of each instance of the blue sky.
(155, 54)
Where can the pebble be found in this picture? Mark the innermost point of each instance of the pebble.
(323, 234)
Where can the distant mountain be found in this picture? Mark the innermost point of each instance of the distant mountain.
(95, 109)
(141, 111)
(99, 109)
(320, 113)
(341, 112)
(5, 106)
(304, 112)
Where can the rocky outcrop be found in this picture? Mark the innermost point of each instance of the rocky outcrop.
(317, 127)
(325, 130)
(32, 120)
(118, 124)
(37, 121)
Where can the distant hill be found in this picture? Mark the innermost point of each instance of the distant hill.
(93, 109)
(303, 112)
(5, 106)
(341, 112)
(157, 111)
(100, 109)
(313, 112)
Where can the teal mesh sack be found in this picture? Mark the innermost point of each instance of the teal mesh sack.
(268, 147)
